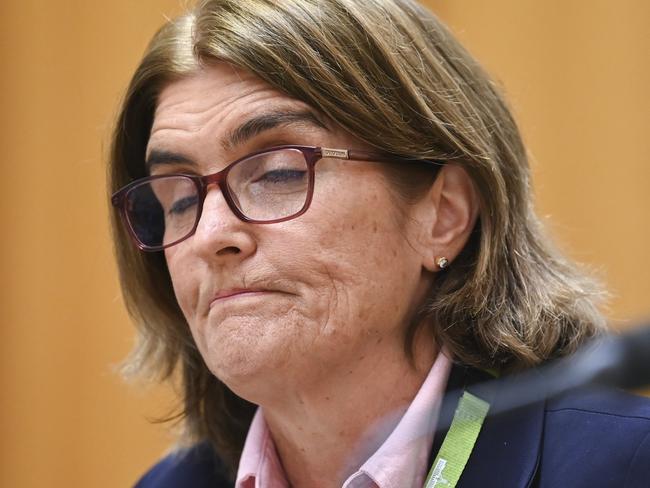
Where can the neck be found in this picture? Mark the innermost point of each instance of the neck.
(326, 433)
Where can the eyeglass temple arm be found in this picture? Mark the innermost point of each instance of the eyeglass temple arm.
(353, 154)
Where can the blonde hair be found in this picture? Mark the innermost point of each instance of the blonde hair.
(393, 76)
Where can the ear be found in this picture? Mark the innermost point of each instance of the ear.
(450, 210)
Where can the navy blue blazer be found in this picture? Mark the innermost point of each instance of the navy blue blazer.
(586, 439)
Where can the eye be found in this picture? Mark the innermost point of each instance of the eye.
(282, 176)
(183, 205)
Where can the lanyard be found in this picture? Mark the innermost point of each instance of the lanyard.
(459, 442)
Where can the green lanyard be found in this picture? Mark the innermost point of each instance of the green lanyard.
(459, 442)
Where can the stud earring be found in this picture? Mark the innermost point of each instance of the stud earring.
(442, 262)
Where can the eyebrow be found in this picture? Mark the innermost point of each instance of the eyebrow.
(246, 131)
(165, 157)
(267, 121)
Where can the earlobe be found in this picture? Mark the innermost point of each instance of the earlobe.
(454, 209)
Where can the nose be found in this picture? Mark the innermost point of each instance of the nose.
(220, 234)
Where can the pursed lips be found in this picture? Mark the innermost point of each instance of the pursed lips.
(235, 292)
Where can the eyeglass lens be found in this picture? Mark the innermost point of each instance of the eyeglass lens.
(264, 187)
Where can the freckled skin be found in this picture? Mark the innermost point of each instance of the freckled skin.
(343, 273)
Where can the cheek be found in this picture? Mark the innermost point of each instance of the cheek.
(366, 265)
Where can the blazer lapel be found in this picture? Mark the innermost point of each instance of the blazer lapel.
(507, 450)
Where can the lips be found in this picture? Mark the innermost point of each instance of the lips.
(223, 295)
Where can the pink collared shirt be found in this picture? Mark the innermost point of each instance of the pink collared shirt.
(402, 460)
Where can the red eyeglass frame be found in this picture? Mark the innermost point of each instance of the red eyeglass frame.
(312, 155)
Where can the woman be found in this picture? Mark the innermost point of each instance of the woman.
(331, 211)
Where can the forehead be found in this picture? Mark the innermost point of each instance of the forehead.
(213, 101)
(213, 89)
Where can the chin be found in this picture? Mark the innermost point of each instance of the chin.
(251, 380)
(246, 355)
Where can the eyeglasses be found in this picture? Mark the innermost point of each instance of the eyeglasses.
(266, 187)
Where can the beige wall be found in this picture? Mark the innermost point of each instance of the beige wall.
(576, 73)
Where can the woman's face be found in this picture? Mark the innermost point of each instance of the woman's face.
(293, 304)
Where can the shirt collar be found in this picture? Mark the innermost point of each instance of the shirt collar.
(259, 465)
(402, 460)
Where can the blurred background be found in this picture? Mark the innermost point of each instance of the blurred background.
(576, 73)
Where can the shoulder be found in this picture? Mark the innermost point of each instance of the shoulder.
(602, 402)
(600, 437)
(197, 466)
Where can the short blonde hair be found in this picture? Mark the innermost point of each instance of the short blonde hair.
(392, 75)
